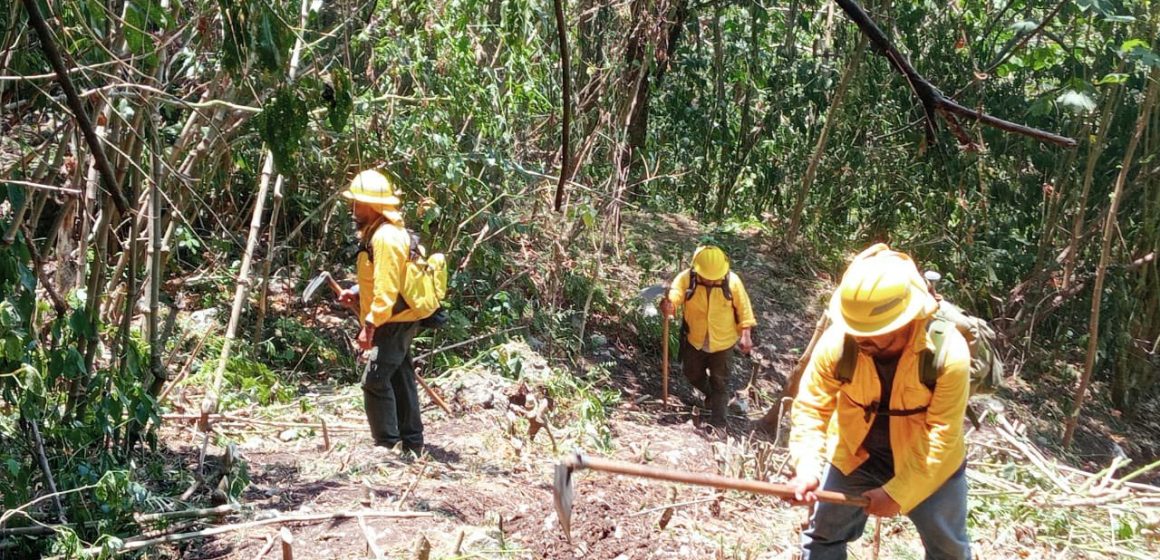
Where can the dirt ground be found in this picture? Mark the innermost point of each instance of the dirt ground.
(489, 494)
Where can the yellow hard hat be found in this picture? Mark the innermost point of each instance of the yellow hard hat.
(372, 187)
(880, 293)
(710, 263)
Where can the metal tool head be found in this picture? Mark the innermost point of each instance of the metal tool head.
(312, 287)
(562, 496)
(648, 299)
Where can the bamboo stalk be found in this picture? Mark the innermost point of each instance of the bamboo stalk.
(1095, 149)
(48, 45)
(1110, 228)
(832, 117)
(209, 404)
(300, 518)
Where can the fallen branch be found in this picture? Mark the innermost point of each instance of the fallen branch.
(370, 537)
(1032, 455)
(227, 419)
(301, 518)
(185, 514)
(437, 351)
(933, 100)
(265, 548)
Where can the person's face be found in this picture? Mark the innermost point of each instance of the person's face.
(887, 345)
(363, 213)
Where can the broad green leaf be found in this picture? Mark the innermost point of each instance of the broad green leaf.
(272, 40)
(1133, 44)
(1145, 56)
(1113, 78)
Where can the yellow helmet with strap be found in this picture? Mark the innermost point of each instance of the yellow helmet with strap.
(880, 292)
(710, 263)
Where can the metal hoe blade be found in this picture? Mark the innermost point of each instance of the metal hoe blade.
(648, 298)
(312, 287)
(562, 497)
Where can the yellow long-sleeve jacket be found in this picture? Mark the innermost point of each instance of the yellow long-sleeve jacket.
(829, 420)
(382, 268)
(713, 327)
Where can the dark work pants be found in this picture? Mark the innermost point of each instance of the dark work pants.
(708, 371)
(389, 394)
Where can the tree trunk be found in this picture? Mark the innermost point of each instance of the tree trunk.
(1110, 228)
(268, 263)
(823, 137)
(1095, 149)
(209, 404)
(789, 48)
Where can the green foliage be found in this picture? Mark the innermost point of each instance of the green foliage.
(256, 33)
(340, 97)
(282, 125)
(247, 379)
(294, 347)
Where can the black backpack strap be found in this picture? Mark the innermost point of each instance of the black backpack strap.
(931, 362)
(692, 285)
(364, 245)
(882, 409)
(844, 372)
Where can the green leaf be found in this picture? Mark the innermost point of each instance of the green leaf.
(1120, 19)
(272, 39)
(1113, 78)
(1145, 56)
(1080, 102)
(1133, 44)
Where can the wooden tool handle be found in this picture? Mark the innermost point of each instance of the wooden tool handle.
(705, 479)
(665, 360)
(333, 284)
(434, 396)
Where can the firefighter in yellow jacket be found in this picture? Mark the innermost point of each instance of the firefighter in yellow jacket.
(888, 422)
(717, 317)
(388, 326)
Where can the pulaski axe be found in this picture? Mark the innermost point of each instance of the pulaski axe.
(325, 278)
(562, 492)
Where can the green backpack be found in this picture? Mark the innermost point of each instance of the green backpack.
(986, 365)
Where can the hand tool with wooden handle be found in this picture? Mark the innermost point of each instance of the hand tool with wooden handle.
(563, 494)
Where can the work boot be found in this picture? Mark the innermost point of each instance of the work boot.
(414, 450)
(718, 409)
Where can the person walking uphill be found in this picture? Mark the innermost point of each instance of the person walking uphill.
(717, 317)
(389, 325)
(883, 399)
